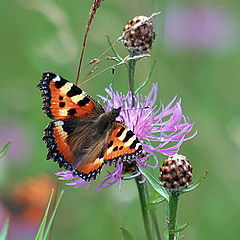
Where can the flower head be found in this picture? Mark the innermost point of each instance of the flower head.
(161, 130)
(138, 35)
(198, 26)
(176, 172)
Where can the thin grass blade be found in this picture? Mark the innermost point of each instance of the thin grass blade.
(4, 150)
(112, 47)
(41, 229)
(180, 229)
(4, 232)
(146, 80)
(126, 234)
(52, 216)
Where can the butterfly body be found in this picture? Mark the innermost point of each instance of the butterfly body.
(83, 137)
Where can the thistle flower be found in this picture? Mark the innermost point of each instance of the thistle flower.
(176, 172)
(162, 130)
(198, 27)
(138, 35)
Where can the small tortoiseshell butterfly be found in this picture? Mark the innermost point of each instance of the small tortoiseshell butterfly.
(83, 137)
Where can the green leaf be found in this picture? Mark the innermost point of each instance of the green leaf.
(147, 79)
(165, 234)
(53, 215)
(153, 200)
(113, 49)
(155, 184)
(4, 149)
(193, 186)
(4, 232)
(180, 229)
(157, 201)
(40, 232)
(126, 234)
(177, 235)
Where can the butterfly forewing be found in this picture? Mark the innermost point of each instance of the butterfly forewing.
(64, 100)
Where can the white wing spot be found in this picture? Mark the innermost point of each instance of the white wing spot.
(59, 123)
(123, 135)
(138, 145)
(130, 141)
(67, 87)
(56, 79)
(77, 98)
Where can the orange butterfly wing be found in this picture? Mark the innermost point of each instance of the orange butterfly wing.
(122, 145)
(56, 136)
(73, 110)
(64, 100)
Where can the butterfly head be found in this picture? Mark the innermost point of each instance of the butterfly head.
(115, 113)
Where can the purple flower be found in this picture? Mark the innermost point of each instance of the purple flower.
(161, 129)
(21, 142)
(198, 26)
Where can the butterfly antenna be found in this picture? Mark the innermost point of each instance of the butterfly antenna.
(136, 108)
(113, 75)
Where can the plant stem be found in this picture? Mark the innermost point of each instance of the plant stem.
(142, 191)
(131, 72)
(172, 210)
(155, 224)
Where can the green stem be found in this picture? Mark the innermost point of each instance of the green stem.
(131, 73)
(172, 210)
(155, 224)
(142, 191)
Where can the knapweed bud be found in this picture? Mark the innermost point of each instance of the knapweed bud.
(138, 35)
(129, 167)
(176, 172)
(132, 167)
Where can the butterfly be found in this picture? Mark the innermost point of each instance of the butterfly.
(83, 137)
(26, 200)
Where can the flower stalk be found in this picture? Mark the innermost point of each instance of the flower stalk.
(142, 191)
(172, 213)
(155, 224)
(131, 73)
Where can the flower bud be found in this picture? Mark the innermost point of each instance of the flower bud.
(138, 35)
(129, 167)
(176, 172)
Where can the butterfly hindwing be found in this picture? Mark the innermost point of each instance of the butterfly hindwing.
(65, 146)
(122, 145)
(58, 148)
(64, 100)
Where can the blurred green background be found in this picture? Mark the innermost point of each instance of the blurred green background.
(197, 52)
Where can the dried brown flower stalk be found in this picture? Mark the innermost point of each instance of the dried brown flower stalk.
(93, 11)
(125, 60)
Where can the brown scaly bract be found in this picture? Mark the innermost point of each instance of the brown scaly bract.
(176, 172)
(138, 35)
